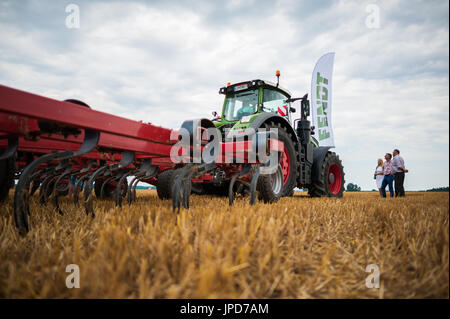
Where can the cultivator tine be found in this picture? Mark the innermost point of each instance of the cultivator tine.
(13, 144)
(253, 182)
(105, 183)
(127, 159)
(88, 168)
(67, 173)
(35, 181)
(181, 188)
(21, 194)
(147, 170)
(187, 189)
(245, 170)
(130, 194)
(134, 190)
(67, 170)
(88, 188)
(177, 193)
(79, 182)
(43, 186)
(48, 188)
(119, 192)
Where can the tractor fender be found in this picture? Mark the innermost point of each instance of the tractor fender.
(191, 127)
(267, 117)
(319, 154)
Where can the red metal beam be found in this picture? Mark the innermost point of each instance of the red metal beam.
(22, 103)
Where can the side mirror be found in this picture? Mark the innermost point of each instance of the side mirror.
(305, 107)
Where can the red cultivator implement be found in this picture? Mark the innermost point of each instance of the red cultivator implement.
(49, 144)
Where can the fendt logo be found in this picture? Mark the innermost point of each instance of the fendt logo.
(322, 103)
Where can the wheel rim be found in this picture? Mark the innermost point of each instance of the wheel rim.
(334, 178)
(276, 180)
(285, 164)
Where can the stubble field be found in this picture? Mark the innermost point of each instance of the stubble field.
(297, 248)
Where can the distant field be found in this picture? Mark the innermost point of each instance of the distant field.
(297, 248)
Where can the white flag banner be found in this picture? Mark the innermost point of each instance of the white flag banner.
(321, 92)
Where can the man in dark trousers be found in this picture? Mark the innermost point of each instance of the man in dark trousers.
(398, 169)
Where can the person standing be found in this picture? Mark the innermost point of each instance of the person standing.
(388, 178)
(379, 175)
(398, 169)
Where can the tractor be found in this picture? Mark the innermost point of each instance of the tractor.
(255, 105)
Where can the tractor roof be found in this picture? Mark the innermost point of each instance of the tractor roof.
(249, 84)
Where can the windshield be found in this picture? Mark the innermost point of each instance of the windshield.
(240, 104)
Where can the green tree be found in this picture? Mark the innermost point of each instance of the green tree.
(438, 189)
(353, 188)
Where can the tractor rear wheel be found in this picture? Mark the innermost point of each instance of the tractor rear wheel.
(331, 178)
(283, 181)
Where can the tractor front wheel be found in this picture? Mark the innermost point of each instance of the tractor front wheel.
(282, 182)
(331, 178)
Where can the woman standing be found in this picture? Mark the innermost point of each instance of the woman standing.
(379, 174)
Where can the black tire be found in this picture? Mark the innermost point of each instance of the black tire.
(220, 190)
(321, 187)
(165, 182)
(216, 190)
(198, 188)
(264, 184)
(7, 168)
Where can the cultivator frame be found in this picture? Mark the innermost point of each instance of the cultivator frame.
(51, 143)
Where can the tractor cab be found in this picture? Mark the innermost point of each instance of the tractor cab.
(244, 101)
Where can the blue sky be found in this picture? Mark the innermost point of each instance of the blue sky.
(163, 62)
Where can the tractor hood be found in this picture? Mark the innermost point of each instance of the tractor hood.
(241, 126)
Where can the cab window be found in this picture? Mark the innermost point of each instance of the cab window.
(240, 104)
(275, 102)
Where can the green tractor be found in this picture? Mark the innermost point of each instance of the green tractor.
(255, 105)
